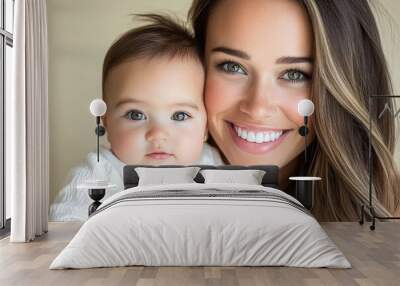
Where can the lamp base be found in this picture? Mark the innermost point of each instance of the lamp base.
(96, 195)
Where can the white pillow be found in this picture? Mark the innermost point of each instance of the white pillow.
(162, 176)
(249, 177)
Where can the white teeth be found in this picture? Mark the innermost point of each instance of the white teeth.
(251, 137)
(258, 137)
(272, 136)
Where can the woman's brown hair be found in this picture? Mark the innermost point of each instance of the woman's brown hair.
(349, 67)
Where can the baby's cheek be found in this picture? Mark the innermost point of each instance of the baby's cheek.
(189, 143)
(125, 140)
(131, 137)
(115, 131)
(192, 130)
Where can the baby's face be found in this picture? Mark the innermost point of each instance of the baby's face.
(155, 111)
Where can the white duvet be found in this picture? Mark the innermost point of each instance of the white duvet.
(225, 225)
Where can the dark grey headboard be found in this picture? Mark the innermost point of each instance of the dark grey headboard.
(270, 178)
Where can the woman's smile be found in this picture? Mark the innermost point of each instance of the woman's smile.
(256, 140)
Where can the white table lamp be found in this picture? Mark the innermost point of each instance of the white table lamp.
(96, 183)
(305, 108)
(98, 108)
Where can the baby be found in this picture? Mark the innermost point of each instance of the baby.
(153, 86)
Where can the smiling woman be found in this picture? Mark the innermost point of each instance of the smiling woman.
(263, 56)
(253, 86)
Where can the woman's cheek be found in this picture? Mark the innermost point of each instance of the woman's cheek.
(289, 101)
(213, 97)
(220, 95)
(289, 107)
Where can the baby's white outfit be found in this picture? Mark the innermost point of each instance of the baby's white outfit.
(72, 204)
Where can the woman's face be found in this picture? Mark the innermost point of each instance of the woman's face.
(259, 62)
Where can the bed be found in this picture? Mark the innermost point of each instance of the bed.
(202, 222)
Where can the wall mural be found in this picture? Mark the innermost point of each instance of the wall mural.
(227, 96)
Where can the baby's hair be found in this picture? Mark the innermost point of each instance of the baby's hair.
(162, 36)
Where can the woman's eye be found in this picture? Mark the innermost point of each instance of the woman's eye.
(232, 67)
(135, 115)
(295, 76)
(180, 116)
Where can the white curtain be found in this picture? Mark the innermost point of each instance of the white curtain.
(27, 136)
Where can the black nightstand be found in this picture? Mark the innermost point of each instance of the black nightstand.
(305, 190)
(96, 190)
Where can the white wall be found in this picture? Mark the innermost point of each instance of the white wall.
(80, 32)
(388, 14)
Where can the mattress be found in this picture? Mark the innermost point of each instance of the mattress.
(201, 225)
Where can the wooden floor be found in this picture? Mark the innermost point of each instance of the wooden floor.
(374, 255)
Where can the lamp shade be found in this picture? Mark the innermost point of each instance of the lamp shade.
(305, 107)
(98, 107)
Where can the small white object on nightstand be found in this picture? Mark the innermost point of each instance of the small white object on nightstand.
(96, 184)
(305, 178)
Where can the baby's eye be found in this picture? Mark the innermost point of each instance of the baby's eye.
(232, 68)
(295, 76)
(180, 116)
(135, 115)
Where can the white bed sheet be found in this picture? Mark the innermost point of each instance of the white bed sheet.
(200, 231)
